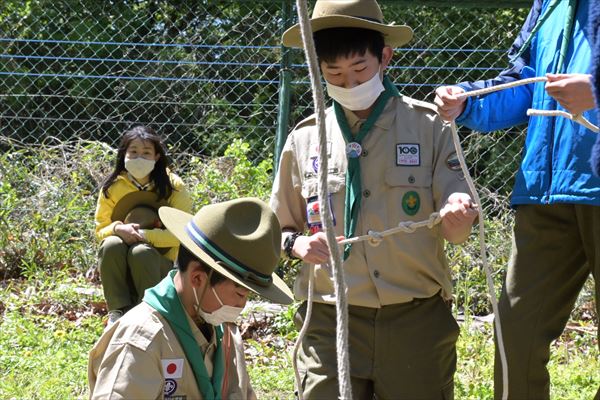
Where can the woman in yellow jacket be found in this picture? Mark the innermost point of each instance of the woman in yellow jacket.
(136, 252)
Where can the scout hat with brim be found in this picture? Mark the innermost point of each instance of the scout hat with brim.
(138, 198)
(240, 239)
(140, 207)
(364, 14)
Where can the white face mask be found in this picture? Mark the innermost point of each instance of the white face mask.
(360, 97)
(223, 314)
(139, 167)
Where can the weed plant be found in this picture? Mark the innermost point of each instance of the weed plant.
(52, 310)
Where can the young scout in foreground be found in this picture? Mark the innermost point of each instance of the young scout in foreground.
(402, 333)
(181, 341)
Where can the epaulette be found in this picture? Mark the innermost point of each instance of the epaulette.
(420, 103)
(311, 120)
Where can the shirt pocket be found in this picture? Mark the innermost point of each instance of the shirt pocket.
(336, 185)
(411, 196)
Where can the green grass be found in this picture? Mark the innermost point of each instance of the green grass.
(51, 309)
(46, 331)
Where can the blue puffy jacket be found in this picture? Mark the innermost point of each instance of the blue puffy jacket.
(594, 29)
(555, 166)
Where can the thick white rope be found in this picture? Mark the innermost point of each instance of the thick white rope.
(496, 88)
(302, 333)
(580, 119)
(374, 238)
(558, 113)
(484, 261)
(341, 304)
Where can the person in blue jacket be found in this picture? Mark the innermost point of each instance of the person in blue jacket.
(556, 236)
(594, 29)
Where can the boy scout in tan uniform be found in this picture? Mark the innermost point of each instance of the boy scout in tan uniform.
(402, 333)
(181, 341)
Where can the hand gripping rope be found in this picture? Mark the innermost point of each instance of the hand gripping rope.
(375, 238)
(580, 119)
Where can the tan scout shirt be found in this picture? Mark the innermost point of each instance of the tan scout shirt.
(139, 357)
(408, 163)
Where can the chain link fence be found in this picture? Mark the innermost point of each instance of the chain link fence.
(204, 73)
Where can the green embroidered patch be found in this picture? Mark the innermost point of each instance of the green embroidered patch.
(411, 202)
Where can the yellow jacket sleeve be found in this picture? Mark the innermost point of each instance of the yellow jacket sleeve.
(104, 224)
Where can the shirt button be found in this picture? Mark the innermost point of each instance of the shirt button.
(376, 274)
(411, 179)
(364, 153)
(367, 193)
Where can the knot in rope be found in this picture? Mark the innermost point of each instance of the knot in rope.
(407, 226)
(375, 238)
(434, 219)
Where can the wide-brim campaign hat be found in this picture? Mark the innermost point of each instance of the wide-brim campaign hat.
(138, 198)
(364, 14)
(240, 239)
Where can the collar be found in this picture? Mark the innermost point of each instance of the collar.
(147, 187)
(383, 122)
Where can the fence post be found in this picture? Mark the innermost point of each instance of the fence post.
(285, 80)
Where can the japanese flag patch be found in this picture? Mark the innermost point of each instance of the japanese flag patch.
(408, 154)
(172, 369)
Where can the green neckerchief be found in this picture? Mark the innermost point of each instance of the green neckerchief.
(353, 185)
(164, 299)
(571, 8)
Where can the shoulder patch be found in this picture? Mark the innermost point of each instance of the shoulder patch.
(419, 103)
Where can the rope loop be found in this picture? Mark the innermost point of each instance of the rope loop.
(375, 238)
(407, 226)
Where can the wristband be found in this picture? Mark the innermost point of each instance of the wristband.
(288, 245)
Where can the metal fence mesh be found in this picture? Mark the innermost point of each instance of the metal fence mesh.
(205, 72)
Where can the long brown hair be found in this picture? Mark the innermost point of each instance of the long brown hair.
(159, 174)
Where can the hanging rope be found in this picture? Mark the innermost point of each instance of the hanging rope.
(484, 261)
(341, 306)
(302, 333)
(580, 119)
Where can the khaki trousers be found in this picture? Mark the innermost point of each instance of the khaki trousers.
(127, 271)
(555, 248)
(401, 351)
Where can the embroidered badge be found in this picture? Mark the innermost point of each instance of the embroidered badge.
(315, 164)
(411, 203)
(408, 154)
(452, 162)
(170, 387)
(172, 369)
(313, 214)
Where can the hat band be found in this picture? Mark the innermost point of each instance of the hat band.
(216, 253)
(369, 19)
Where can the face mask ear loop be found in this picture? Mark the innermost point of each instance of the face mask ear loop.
(217, 296)
(203, 292)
